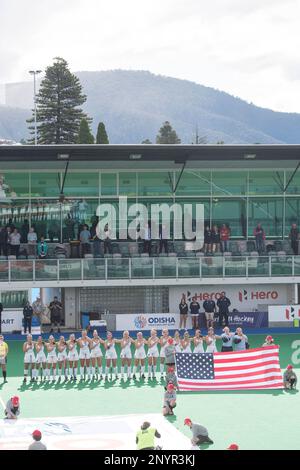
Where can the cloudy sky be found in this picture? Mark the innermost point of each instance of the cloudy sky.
(249, 48)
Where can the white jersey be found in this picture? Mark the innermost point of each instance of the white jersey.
(199, 348)
(72, 354)
(29, 356)
(177, 346)
(111, 352)
(84, 351)
(187, 349)
(126, 349)
(62, 355)
(96, 350)
(51, 356)
(153, 350)
(41, 356)
(163, 346)
(211, 348)
(140, 353)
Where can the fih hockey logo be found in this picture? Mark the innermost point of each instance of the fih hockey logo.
(243, 295)
(140, 322)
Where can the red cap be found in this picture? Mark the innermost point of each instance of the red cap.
(187, 422)
(269, 338)
(170, 340)
(233, 447)
(37, 434)
(170, 386)
(15, 401)
(171, 369)
(289, 367)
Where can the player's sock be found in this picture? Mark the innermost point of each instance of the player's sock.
(4, 374)
(122, 371)
(59, 372)
(44, 372)
(25, 373)
(82, 372)
(142, 370)
(75, 372)
(162, 368)
(34, 373)
(115, 371)
(47, 373)
(54, 373)
(93, 371)
(106, 371)
(70, 372)
(134, 370)
(129, 372)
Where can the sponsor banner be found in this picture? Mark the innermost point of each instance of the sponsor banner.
(284, 313)
(244, 298)
(146, 321)
(249, 320)
(11, 320)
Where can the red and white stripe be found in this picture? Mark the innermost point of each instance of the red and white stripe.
(241, 370)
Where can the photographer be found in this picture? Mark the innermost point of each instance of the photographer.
(289, 378)
(27, 314)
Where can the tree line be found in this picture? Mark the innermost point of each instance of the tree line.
(61, 119)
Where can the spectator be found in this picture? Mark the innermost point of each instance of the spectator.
(38, 308)
(3, 241)
(224, 237)
(294, 237)
(85, 236)
(147, 245)
(32, 240)
(183, 310)
(10, 225)
(15, 242)
(24, 232)
(27, 314)
(55, 308)
(209, 306)
(233, 447)
(163, 242)
(227, 340)
(169, 400)
(96, 239)
(223, 304)
(269, 341)
(107, 240)
(145, 438)
(260, 237)
(215, 239)
(200, 433)
(289, 378)
(37, 444)
(195, 310)
(42, 248)
(240, 340)
(9, 232)
(12, 409)
(207, 239)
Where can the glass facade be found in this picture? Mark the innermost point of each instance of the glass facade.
(238, 198)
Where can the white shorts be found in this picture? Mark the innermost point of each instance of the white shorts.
(96, 352)
(211, 349)
(52, 359)
(29, 358)
(153, 352)
(62, 356)
(84, 354)
(140, 353)
(126, 353)
(209, 315)
(162, 351)
(111, 354)
(73, 356)
(41, 358)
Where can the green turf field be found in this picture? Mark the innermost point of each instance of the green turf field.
(253, 419)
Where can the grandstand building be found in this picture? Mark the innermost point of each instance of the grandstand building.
(56, 189)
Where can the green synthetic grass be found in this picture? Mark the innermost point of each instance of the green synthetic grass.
(254, 419)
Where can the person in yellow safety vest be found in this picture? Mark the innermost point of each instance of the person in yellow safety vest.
(3, 357)
(145, 438)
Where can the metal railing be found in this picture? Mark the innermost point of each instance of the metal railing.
(148, 268)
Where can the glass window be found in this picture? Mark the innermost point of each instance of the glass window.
(231, 212)
(193, 183)
(155, 183)
(127, 184)
(108, 184)
(266, 182)
(15, 212)
(292, 213)
(45, 184)
(227, 183)
(76, 212)
(46, 218)
(294, 185)
(186, 211)
(267, 212)
(14, 185)
(82, 184)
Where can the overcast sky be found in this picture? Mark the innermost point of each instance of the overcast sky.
(249, 48)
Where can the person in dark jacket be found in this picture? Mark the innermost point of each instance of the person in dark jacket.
(294, 237)
(209, 306)
(96, 239)
(223, 304)
(215, 239)
(3, 241)
(195, 310)
(207, 239)
(183, 310)
(27, 314)
(55, 314)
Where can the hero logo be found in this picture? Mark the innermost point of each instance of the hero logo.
(203, 296)
(140, 322)
(258, 295)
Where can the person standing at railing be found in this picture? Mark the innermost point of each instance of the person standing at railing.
(224, 237)
(27, 314)
(15, 242)
(85, 237)
(147, 239)
(31, 240)
(107, 240)
(96, 239)
(260, 237)
(215, 239)
(294, 237)
(42, 248)
(223, 304)
(3, 241)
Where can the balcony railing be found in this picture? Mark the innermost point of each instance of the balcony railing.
(148, 268)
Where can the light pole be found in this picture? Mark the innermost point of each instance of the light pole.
(35, 73)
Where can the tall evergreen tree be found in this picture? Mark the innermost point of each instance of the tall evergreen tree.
(101, 137)
(85, 135)
(146, 142)
(167, 135)
(58, 106)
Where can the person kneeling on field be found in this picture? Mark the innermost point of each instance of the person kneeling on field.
(169, 400)
(200, 433)
(12, 409)
(289, 378)
(145, 438)
(37, 444)
(171, 377)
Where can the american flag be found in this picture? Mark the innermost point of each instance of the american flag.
(238, 370)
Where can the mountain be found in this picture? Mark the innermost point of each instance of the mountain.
(134, 104)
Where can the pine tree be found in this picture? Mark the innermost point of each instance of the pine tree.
(58, 106)
(146, 142)
(85, 135)
(101, 137)
(167, 135)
